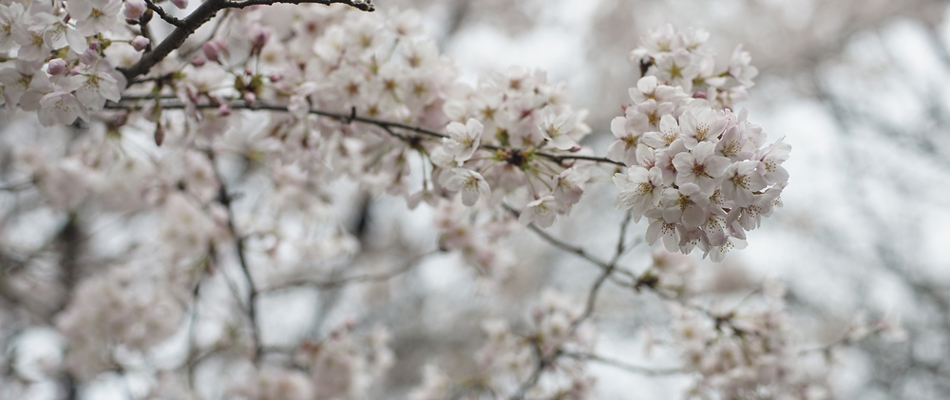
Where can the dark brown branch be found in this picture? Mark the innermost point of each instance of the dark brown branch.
(543, 362)
(352, 117)
(357, 4)
(226, 199)
(579, 251)
(622, 246)
(592, 298)
(365, 278)
(207, 10)
(171, 19)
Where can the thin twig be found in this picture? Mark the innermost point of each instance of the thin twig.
(193, 335)
(365, 278)
(171, 19)
(543, 362)
(621, 246)
(236, 104)
(225, 199)
(579, 251)
(16, 187)
(592, 298)
(622, 365)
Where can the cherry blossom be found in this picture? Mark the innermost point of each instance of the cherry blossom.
(715, 178)
(463, 140)
(541, 212)
(471, 184)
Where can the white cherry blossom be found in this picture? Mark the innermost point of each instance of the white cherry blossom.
(640, 189)
(469, 183)
(701, 166)
(741, 181)
(463, 140)
(555, 128)
(540, 212)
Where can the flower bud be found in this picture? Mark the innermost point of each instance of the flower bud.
(250, 97)
(139, 43)
(181, 4)
(159, 135)
(198, 61)
(259, 39)
(134, 9)
(57, 66)
(210, 49)
(224, 109)
(274, 77)
(89, 56)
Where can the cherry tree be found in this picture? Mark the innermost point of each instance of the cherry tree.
(181, 180)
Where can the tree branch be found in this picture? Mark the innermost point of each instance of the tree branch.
(622, 365)
(207, 10)
(349, 118)
(174, 21)
(225, 199)
(363, 278)
(16, 187)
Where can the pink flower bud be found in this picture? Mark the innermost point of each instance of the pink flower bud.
(94, 44)
(198, 61)
(159, 135)
(89, 56)
(139, 43)
(134, 9)
(220, 44)
(181, 4)
(224, 109)
(250, 97)
(274, 77)
(248, 71)
(259, 38)
(210, 50)
(57, 66)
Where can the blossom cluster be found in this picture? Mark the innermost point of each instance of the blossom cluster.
(334, 61)
(59, 69)
(701, 173)
(478, 241)
(556, 326)
(346, 364)
(508, 359)
(120, 309)
(747, 352)
(497, 139)
(342, 366)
